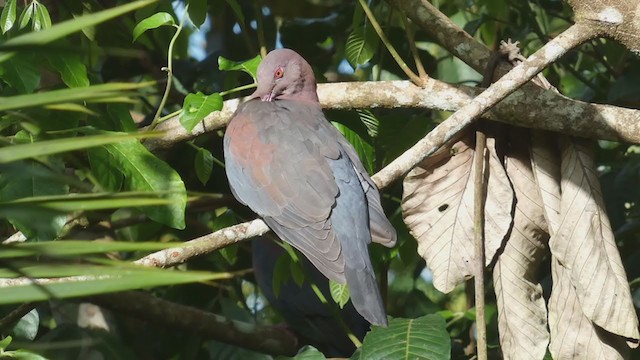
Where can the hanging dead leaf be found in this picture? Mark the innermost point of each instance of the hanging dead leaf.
(573, 335)
(522, 314)
(545, 163)
(585, 246)
(438, 207)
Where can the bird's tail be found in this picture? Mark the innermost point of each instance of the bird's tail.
(365, 294)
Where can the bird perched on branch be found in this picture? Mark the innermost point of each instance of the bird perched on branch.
(293, 168)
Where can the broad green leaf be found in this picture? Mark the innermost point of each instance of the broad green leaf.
(152, 22)
(33, 181)
(63, 29)
(307, 353)
(197, 106)
(8, 17)
(49, 147)
(361, 45)
(70, 67)
(237, 10)
(27, 326)
(250, 66)
(204, 165)
(102, 91)
(96, 280)
(41, 18)
(422, 338)
(77, 247)
(339, 293)
(27, 14)
(145, 172)
(363, 148)
(22, 72)
(197, 12)
(104, 167)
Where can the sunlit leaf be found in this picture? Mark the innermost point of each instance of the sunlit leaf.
(143, 171)
(197, 106)
(361, 45)
(152, 22)
(339, 293)
(95, 280)
(8, 17)
(41, 18)
(102, 91)
(27, 326)
(422, 338)
(49, 147)
(27, 14)
(250, 66)
(77, 247)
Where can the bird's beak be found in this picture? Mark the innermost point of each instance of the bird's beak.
(263, 94)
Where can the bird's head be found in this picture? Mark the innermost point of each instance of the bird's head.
(284, 74)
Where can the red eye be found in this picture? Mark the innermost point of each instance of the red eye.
(278, 73)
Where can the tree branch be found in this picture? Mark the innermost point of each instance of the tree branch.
(532, 108)
(271, 340)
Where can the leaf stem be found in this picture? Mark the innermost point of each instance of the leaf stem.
(408, 27)
(239, 88)
(169, 70)
(376, 26)
(478, 280)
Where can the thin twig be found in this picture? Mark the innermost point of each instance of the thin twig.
(16, 314)
(412, 76)
(408, 27)
(169, 70)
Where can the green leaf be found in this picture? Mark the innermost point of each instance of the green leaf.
(105, 169)
(361, 45)
(34, 180)
(85, 202)
(307, 353)
(145, 172)
(297, 274)
(102, 91)
(26, 15)
(63, 29)
(197, 106)
(250, 66)
(5, 342)
(370, 121)
(70, 67)
(21, 354)
(197, 12)
(339, 293)
(152, 22)
(422, 338)
(8, 17)
(22, 72)
(49, 147)
(41, 18)
(27, 326)
(363, 148)
(237, 10)
(77, 247)
(95, 280)
(204, 165)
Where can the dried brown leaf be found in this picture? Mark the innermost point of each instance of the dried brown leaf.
(522, 314)
(438, 208)
(573, 335)
(585, 246)
(545, 163)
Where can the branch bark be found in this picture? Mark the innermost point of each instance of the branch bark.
(271, 340)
